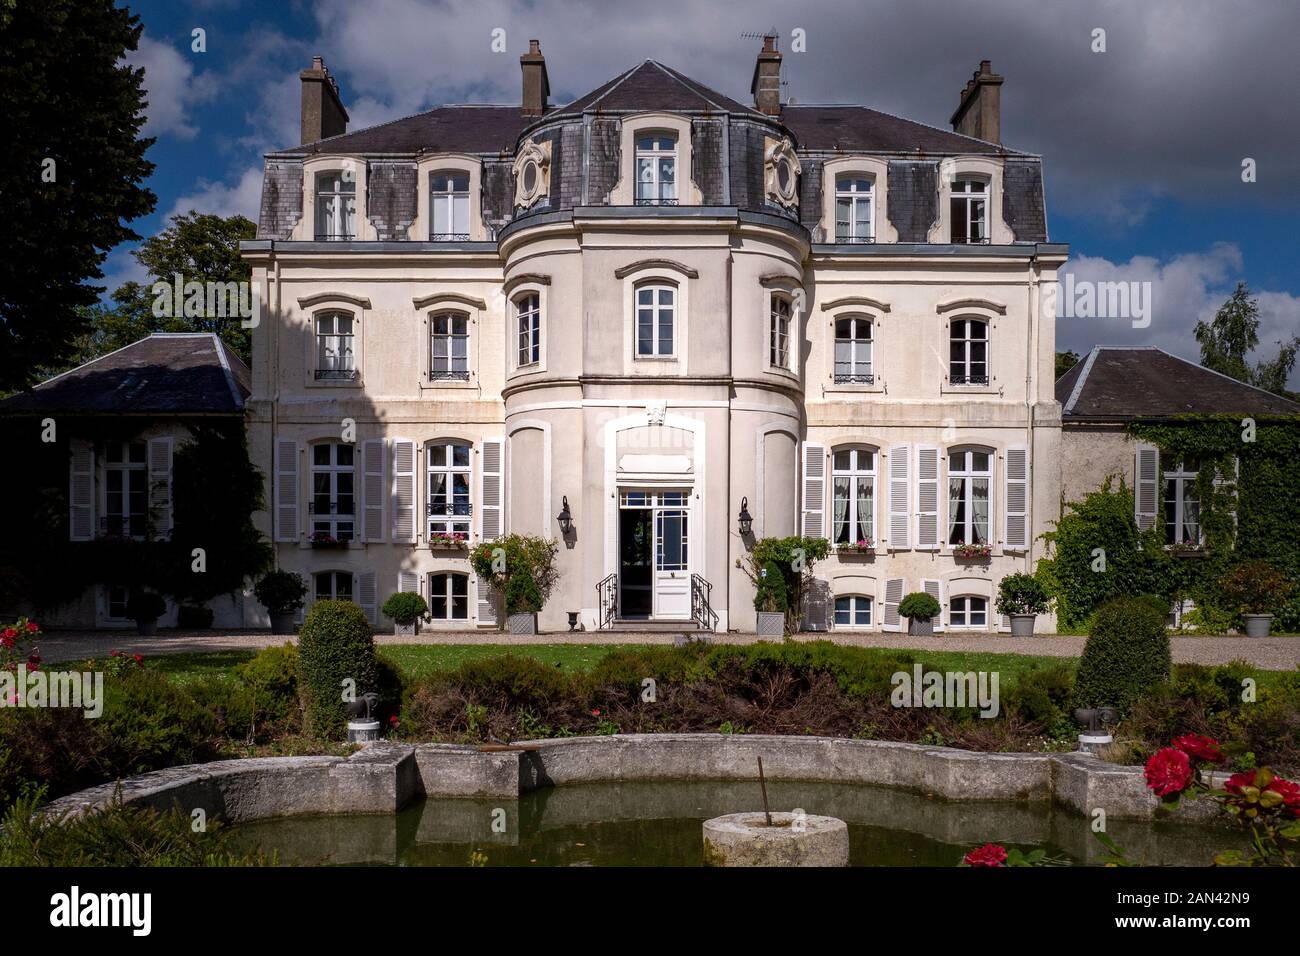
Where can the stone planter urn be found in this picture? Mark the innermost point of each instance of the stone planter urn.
(1022, 625)
(282, 623)
(363, 731)
(1257, 625)
(521, 624)
(920, 627)
(771, 624)
(406, 630)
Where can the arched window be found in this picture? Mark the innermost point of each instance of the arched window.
(656, 169)
(968, 610)
(853, 351)
(449, 203)
(778, 345)
(336, 205)
(528, 318)
(448, 484)
(449, 346)
(854, 204)
(656, 320)
(332, 585)
(969, 478)
(449, 597)
(333, 498)
(335, 346)
(853, 497)
(969, 208)
(853, 610)
(968, 352)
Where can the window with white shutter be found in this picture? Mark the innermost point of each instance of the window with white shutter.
(373, 454)
(81, 491)
(934, 588)
(403, 497)
(408, 582)
(900, 512)
(1146, 488)
(160, 485)
(814, 490)
(288, 525)
(363, 587)
(927, 497)
(893, 596)
(490, 478)
(1015, 535)
(484, 603)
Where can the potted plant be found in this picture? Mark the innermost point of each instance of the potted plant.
(325, 540)
(405, 609)
(523, 602)
(972, 552)
(447, 540)
(281, 593)
(770, 601)
(145, 607)
(497, 562)
(861, 546)
(1022, 598)
(1254, 589)
(920, 609)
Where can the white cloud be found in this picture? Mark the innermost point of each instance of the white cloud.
(1185, 289)
(242, 197)
(171, 87)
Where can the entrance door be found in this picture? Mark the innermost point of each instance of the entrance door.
(672, 556)
(635, 561)
(654, 577)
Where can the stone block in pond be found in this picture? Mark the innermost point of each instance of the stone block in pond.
(792, 839)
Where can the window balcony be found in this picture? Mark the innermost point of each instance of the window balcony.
(855, 378)
(968, 380)
(336, 375)
(449, 375)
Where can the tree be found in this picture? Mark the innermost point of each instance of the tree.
(1233, 333)
(75, 165)
(1066, 361)
(1272, 376)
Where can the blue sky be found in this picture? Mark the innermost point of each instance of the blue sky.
(1142, 143)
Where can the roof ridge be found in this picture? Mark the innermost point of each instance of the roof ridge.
(1078, 383)
(219, 346)
(908, 119)
(696, 87)
(1236, 381)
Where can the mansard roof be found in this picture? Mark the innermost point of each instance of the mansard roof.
(848, 128)
(465, 128)
(166, 373)
(650, 86)
(1130, 383)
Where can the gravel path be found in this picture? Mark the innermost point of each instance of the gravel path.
(1271, 653)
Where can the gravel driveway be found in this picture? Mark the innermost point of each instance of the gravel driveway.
(1270, 653)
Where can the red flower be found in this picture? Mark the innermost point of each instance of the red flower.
(1200, 747)
(990, 854)
(32, 627)
(595, 712)
(1168, 771)
(393, 721)
(7, 641)
(139, 658)
(33, 658)
(9, 633)
(1259, 789)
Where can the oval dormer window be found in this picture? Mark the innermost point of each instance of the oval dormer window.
(783, 176)
(530, 177)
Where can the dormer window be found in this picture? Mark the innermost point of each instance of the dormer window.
(336, 205)
(656, 170)
(854, 220)
(449, 200)
(969, 207)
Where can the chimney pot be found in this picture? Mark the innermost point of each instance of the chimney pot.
(986, 66)
(323, 113)
(766, 85)
(979, 108)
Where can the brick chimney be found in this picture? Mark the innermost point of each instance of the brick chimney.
(766, 85)
(537, 88)
(979, 112)
(322, 110)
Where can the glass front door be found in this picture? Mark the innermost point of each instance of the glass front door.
(654, 555)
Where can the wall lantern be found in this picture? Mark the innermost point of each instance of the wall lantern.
(565, 518)
(745, 519)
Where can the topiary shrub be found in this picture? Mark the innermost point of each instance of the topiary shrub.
(335, 644)
(919, 606)
(1127, 653)
(522, 594)
(405, 608)
(1021, 594)
(280, 592)
(770, 592)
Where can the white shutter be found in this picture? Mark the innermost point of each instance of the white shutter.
(934, 588)
(288, 526)
(814, 490)
(893, 596)
(1146, 487)
(1004, 622)
(1015, 535)
(373, 491)
(485, 603)
(408, 582)
(927, 497)
(900, 513)
(160, 485)
(363, 586)
(403, 507)
(490, 493)
(81, 491)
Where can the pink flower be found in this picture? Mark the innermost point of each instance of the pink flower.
(989, 855)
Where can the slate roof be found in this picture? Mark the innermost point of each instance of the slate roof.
(1120, 384)
(464, 128)
(166, 373)
(652, 86)
(858, 128)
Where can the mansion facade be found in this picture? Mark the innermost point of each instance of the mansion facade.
(648, 311)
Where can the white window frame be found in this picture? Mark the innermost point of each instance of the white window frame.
(455, 199)
(780, 319)
(853, 473)
(527, 322)
(966, 362)
(960, 614)
(333, 221)
(1182, 478)
(854, 601)
(656, 287)
(854, 376)
(346, 367)
(855, 197)
(333, 518)
(965, 194)
(448, 594)
(456, 521)
(449, 337)
(427, 170)
(656, 153)
(968, 474)
(335, 576)
(131, 473)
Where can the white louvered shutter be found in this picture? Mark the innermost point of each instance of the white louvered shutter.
(814, 490)
(484, 603)
(927, 497)
(363, 586)
(490, 492)
(1015, 536)
(160, 485)
(408, 582)
(81, 491)
(374, 490)
(900, 512)
(403, 498)
(893, 596)
(288, 526)
(1146, 489)
(934, 588)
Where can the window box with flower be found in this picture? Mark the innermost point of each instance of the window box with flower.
(972, 552)
(863, 546)
(448, 541)
(323, 540)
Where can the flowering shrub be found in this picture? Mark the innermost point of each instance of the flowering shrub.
(16, 645)
(323, 539)
(972, 550)
(120, 662)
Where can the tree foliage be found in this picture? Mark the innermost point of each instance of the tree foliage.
(1228, 339)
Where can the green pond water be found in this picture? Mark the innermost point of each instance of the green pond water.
(659, 824)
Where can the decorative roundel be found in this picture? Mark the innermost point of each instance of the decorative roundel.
(532, 173)
(782, 173)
